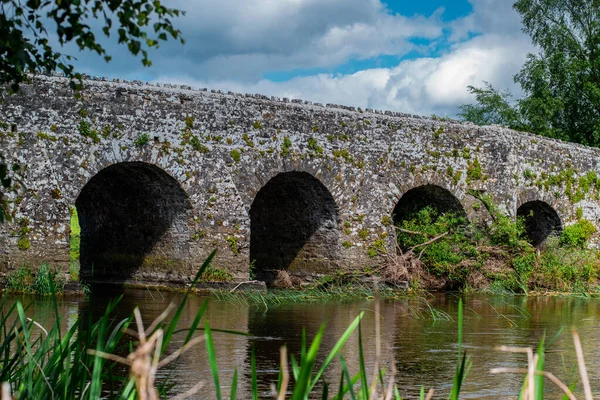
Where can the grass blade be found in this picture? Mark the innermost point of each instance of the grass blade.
(539, 378)
(212, 359)
(196, 321)
(363, 371)
(253, 372)
(303, 384)
(461, 367)
(338, 346)
(233, 395)
(173, 324)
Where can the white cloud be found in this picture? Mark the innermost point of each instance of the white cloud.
(420, 86)
(244, 40)
(232, 44)
(488, 16)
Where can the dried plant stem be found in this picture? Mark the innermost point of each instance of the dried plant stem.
(189, 393)
(390, 389)
(585, 381)
(284, 373)
(240, 284)
(429, 394)
(38, 325)
(547, 374)
(183, 349)
(377, 345)
(6, 394)
(145, 361)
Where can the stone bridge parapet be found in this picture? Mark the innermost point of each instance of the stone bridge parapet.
(161, 175)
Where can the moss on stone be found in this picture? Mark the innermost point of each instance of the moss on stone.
(313, 145)
(23, 243)
(189, 121)
(247, 140)
(363, 233)
(474, 172)
(45, 136)
(235, 155)
(233, 244)
(198, 145)
(286, 146)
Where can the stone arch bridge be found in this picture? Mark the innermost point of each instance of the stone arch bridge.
(161, 175)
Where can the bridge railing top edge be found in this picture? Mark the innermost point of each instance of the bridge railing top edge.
(138, 84)
(205, 92)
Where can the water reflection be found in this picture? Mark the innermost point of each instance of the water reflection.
(421, 345)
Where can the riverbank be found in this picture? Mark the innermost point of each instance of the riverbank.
(441, 249)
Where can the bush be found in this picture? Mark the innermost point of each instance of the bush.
(19, 281)
(47, 278)
(23, 280)
(216, 274)
(578, 234)
(444, 254)
(565, 268)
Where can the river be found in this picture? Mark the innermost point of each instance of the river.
(418, 335)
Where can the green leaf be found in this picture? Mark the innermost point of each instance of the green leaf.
(212, 359)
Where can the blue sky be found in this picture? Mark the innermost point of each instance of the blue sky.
(409, 56)
(448, 11)
(453, 9)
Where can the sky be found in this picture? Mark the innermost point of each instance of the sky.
(409, 56)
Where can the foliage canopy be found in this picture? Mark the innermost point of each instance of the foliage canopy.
(26, 29)
(560, 84)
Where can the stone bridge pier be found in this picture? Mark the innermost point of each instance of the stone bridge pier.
(161, 175)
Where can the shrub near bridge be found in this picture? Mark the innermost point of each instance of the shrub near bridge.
(46, 280)
(455, 251)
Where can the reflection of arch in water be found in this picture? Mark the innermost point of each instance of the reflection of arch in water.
(414, 200)
(294, 225)
(541, 221)
(132, 215)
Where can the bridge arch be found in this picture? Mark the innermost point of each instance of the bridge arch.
(437, 197)
(441, 200)
(135, 222)
(294, 226)
(540, 219)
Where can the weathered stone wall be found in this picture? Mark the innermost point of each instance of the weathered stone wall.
(222, 149)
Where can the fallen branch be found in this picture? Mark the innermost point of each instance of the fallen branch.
(412, 232)
(240, 284)
(427, 243)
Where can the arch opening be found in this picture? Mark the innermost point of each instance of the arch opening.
(294, 225)
(135, 221)
(426, 215)
(540, 220)
(441, 200)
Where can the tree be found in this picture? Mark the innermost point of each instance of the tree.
(560, 84)
(25, 47)
(492, 107)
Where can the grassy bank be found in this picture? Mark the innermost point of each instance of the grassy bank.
(446, 251)
(46, 280)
